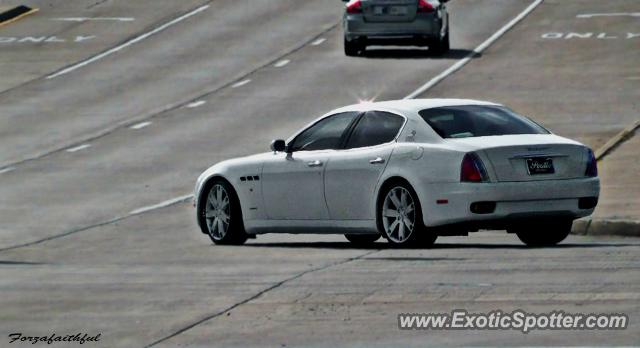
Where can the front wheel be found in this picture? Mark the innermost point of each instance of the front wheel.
(221, 215)
(543, 233)
(400, 218)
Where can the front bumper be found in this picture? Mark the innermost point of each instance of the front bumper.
(513, 200)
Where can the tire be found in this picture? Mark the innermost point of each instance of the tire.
(353, 48)
(362, 239)
(399, 217)
(442, 46)
(220, 214)
(543, 233)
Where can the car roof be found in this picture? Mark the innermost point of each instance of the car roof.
(411, 106)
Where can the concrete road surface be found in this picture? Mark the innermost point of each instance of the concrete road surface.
(84, 149)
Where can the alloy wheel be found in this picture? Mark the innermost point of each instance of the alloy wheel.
(218, 212)
(398, 214)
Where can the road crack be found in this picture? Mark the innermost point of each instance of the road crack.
(258, 295)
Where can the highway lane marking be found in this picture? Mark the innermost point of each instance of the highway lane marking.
(588, 35)
(241, 83)
(43, 39)
(169, 107)
(140, 125)
(128, 43)
(483, 46)
(78, 148)
(7, 170)
(84, 19)
(195, 104)
(318, 41)
(617, 14)
(281, 63)
(161, 204)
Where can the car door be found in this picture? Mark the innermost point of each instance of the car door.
(353, 172)
(293, 181)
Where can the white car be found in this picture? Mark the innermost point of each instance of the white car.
(407, 170)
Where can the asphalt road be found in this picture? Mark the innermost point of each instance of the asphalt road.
(73, 257)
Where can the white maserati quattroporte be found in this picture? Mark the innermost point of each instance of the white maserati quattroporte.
(406, 170)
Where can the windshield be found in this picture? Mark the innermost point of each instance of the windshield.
(478, 121)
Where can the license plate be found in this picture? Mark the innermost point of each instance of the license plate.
(390, 10)
(540, 165)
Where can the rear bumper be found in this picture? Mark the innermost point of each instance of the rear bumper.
(425, 26)
(514, 201)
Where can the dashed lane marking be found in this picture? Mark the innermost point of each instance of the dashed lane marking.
(78, 148)
(195, 104)
(241, 83)
(128, 43)
(84, 19)
(318, 41)
(161, 204)
(6, 170)
(617, 14)
(140, 125)
(281, 63)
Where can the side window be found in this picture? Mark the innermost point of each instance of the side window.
(325, 134)
(375, 128)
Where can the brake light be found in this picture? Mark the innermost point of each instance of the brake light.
(592, 165)
(472, 169)
(354, 6)
(425, 7)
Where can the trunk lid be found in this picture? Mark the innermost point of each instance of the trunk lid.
(529, 157)
(389, 10)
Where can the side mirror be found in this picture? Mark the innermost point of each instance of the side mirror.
(278, 145)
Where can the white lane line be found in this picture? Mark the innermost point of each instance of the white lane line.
(140, 125)
(7, 170)
(84, 19)
(195, 104)
(281, 63)
(483, 46)
(618, 14)
(128, 43)
(241, 83)
(318, 41)
(78, 148)
(161, 204)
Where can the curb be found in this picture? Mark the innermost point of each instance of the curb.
(606, 227)
(15, 13)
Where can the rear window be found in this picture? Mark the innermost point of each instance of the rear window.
(478, 121)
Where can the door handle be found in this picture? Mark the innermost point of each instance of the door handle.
(377, 160)
(315, 163)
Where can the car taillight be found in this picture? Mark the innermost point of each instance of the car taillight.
(592, 165)
(472, 169)
(354, 6)
(424, 6)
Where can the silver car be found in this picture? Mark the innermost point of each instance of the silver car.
(382, 22)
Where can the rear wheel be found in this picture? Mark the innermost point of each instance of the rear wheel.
(353, 48)
(400, 217)
(543, 233)
(441, 46)
(221, 215)
(362, 239)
